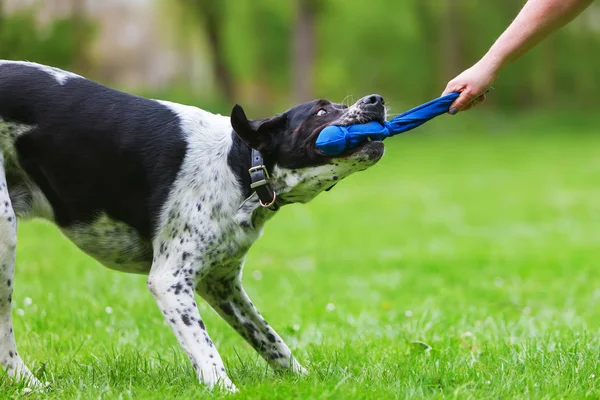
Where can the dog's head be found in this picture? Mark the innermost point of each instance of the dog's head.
(300, 170)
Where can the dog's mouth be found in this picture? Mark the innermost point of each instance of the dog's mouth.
(371, 150)
(368, 109)
(362, 116)
(377, 116)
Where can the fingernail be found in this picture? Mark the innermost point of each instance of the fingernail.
(453, 111)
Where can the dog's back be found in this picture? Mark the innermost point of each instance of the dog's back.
(24, 89)
(96, 161)
(61, 128)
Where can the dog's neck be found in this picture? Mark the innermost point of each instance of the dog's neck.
(239, 161)
(286, 183)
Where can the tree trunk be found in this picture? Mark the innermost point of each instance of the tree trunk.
(451, 40)
(584, 42)
(429, 38)
(79, 21)
(211, 12)
(546, 90)
(303, 54)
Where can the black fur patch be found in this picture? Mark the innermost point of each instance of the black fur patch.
(93, 149)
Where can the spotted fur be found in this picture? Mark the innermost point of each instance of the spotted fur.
(158, 188)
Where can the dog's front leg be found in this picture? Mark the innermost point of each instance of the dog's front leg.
(226, 295)
(171, 282)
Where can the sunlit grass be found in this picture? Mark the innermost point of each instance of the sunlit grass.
(463, 266)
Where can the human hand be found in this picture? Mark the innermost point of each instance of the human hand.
(472, 84)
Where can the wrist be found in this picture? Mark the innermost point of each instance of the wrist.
(492, 64)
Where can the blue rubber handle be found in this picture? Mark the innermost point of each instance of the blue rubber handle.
(420, 114)
(334, 140)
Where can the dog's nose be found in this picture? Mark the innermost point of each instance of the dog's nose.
(374, 100)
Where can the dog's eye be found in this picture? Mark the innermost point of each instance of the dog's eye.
(321, 112)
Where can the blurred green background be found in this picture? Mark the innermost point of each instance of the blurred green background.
(271, 54)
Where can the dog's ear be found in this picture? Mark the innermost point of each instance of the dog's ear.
(261, 134)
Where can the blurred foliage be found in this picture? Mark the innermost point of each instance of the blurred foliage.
(58, 43)
(405, 50)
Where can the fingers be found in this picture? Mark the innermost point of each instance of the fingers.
(466, 97)
(449, 89)
(472, 85)
(475, 102)
(454, 86)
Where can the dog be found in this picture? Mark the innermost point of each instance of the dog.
(164, 189)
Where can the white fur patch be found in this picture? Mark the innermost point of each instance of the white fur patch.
(205, 176)
(113, 243)
(302, 185)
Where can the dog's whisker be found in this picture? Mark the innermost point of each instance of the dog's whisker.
(348, 97)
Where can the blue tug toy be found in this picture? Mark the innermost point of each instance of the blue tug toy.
(334, 140)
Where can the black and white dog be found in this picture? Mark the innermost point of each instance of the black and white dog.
(163, 189)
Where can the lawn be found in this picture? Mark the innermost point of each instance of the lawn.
(466, 264)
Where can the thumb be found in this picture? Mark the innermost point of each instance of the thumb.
(466, 97)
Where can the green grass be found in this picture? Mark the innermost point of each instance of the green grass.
(464, 265)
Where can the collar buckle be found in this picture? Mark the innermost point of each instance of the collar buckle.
(260, 182)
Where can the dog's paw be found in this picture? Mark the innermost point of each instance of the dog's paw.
(302, 371)
(226, 387)
(222, 384)
(232, 389)
(298, 369)
(26, 378)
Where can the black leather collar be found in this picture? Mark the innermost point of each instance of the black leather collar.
(260, 182)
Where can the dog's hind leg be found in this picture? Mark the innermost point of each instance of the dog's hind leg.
(228, 298)
(10, 361)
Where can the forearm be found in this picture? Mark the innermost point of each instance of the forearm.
(537, 20)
